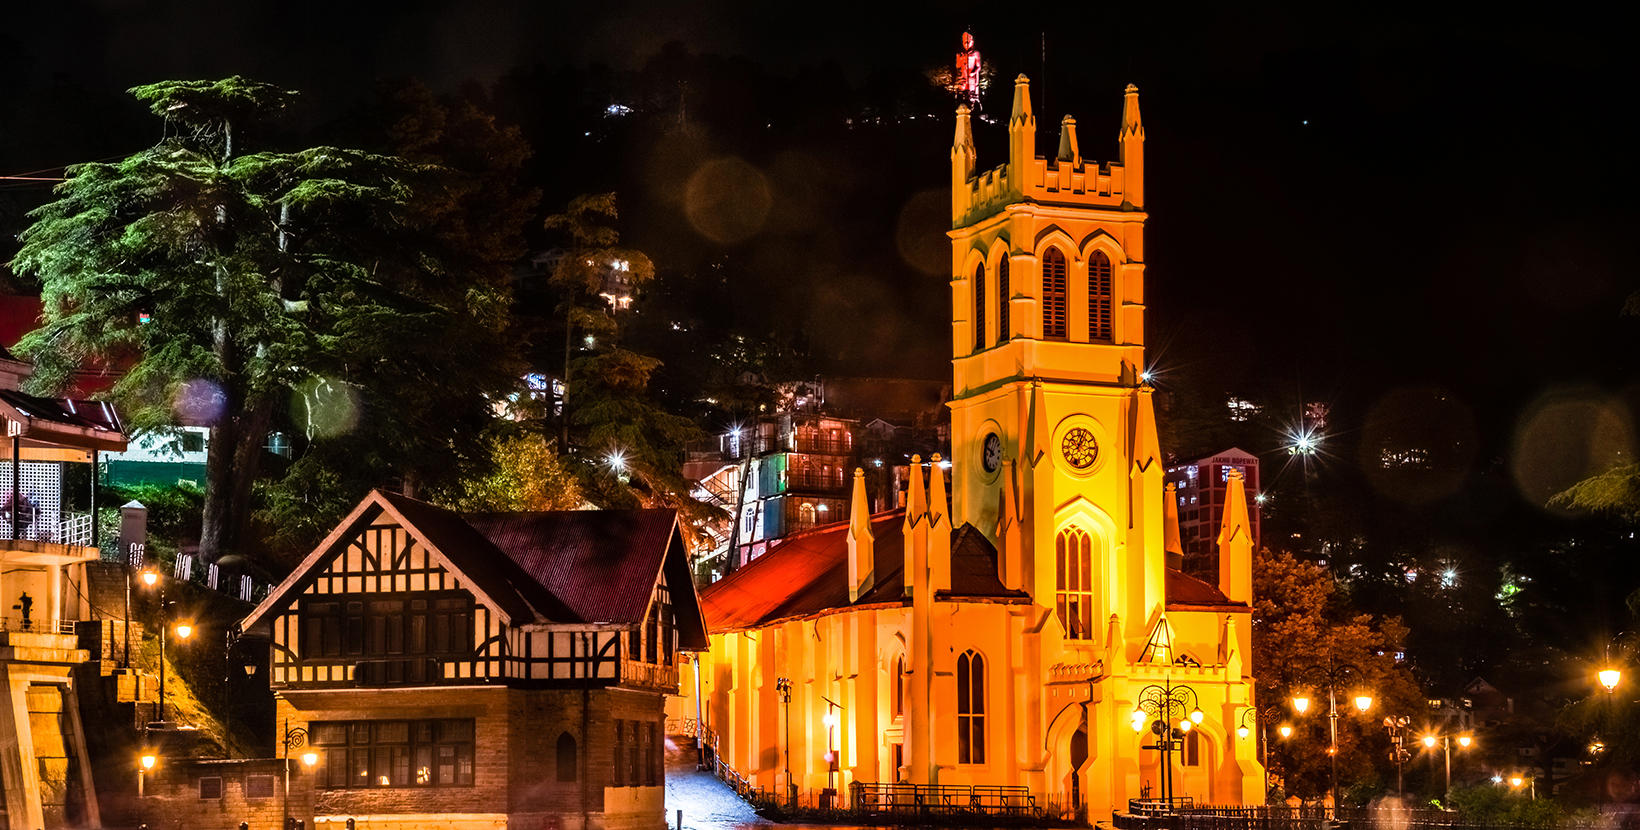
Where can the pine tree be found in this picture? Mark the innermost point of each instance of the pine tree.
(231, 280)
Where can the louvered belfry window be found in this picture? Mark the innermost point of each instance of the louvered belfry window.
(1099, 297)
(1053, 295)
(979, 307)
(1002, 300)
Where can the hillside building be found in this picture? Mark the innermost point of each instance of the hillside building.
(1201, 489)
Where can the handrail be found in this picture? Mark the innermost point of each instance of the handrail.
(33, 626)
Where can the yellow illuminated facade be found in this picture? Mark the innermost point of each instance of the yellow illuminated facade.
(1007, 639)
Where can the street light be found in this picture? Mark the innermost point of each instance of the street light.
(1445, 741)
(1171, 711)
(151, 578)
(831, 720)
(783, 686)
(1331, 676)
(1396, 726)
(295, 736)
(1250, 716)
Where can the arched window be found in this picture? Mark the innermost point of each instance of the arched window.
(566, 757)
(1053, 295)
(899, 685)
(1190, 754)
(1074, 549)
(1002, 299)
(979, 306)
(805, 514)
(1099, 299)
(970, 708)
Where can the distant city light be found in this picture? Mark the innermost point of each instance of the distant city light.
(1303, 442)
(617, 110)
(617, 460)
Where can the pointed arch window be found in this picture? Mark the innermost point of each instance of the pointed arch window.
(1074, 551)
(1053, 295)
(1002, 299)
(1099, 297)
(979, 306)
(970, 708)
(566, 757)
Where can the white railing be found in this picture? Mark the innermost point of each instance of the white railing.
(34, 626)
(74, 530)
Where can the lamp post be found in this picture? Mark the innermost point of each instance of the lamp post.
(1251, 716)
(1331, 676)
(1396, 726)
(831, 720)
(1160, 703)
(783, 686)
(145, 764)
(150, 579)
(295, 736)
(1445, 741)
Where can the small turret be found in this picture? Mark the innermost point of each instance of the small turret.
(861, 544)
(939, 528)
(962, 149)
(1236, 543)
(1021, 134)
(1133, 149)
(1068, 151)
(1170, 528)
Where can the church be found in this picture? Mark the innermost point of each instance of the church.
(1026, 625)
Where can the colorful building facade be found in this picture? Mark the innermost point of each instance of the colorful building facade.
(1005, 633)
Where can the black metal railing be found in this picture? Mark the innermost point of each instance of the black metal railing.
(1155, 814)
(877, 801)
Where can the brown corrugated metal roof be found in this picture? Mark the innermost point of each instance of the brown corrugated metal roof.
(807, 574)
(1184, 589)
(602, 564)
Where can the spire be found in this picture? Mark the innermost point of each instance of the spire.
(1170, 526)
(1037, 433)
(916, 501)
(962, 149)
(1133, 149)
(937, 505)
(861, 545)
(1236, 543)
(1010, 535)
(1021, 135)
(1068, 150)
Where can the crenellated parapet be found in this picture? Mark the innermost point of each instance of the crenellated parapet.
(1064, 179)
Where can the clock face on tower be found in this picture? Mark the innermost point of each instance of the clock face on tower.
(1080, 448)
(993, 453)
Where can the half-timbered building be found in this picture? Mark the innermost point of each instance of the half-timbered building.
(482, 670)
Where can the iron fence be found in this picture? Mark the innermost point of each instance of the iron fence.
(1154, 814)
(895, 800)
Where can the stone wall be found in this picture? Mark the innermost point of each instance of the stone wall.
(218, 795)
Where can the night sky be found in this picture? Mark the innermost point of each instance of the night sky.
(1351, 204)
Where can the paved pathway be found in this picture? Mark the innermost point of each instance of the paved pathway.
(706, 802)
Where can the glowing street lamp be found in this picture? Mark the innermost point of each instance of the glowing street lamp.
(1464, 740)
(1158, 706)
(1252, 716)
(1609, 678)
(1331, 676)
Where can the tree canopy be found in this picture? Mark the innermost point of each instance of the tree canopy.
(236, 285)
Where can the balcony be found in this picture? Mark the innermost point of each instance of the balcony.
(649, 676)
(813, 481)
(74, 529)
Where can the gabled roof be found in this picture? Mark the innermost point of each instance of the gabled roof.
(588, 566)
(807, 573)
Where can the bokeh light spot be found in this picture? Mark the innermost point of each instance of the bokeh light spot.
(325, 407)
(199, 403)
(727, 200)
(1567, 436)
(920, 232)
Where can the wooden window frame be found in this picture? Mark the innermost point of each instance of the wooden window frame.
(1055, 289)
(979, 307)
(427, 748)
(1101, 293)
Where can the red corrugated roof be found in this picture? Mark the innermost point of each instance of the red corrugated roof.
(808, 574)
(602, 564)
(1184, 589)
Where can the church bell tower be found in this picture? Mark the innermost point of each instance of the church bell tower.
(1053, 431)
